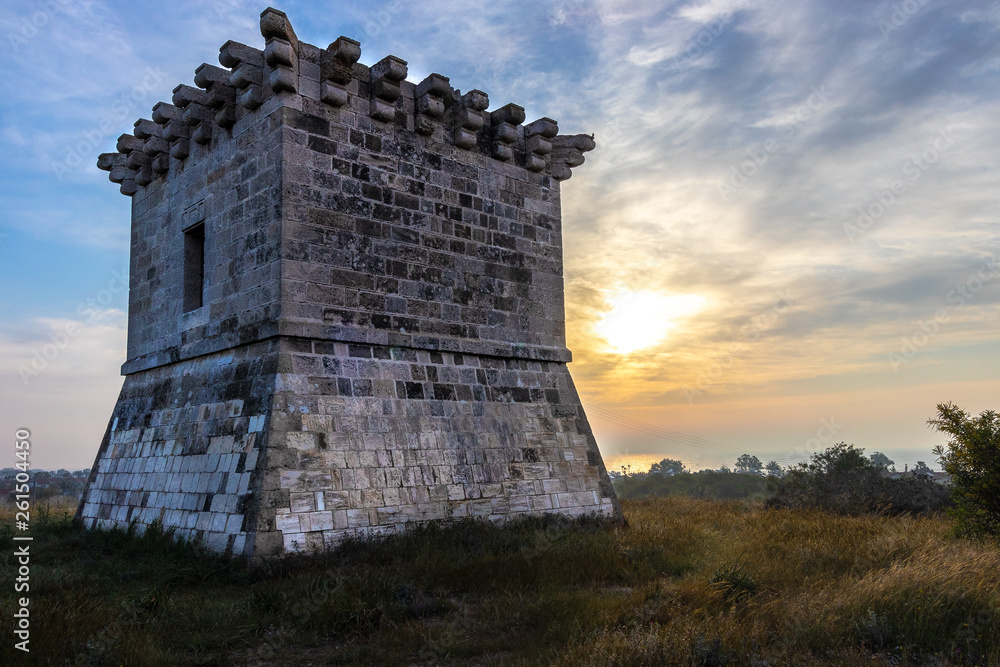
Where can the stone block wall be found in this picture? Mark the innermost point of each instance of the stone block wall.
(372, 438)
(184, 446)
(232, 187)
(389, 232)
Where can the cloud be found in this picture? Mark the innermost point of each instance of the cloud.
(719, 173)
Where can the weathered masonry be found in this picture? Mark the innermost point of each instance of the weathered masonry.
(345, 310)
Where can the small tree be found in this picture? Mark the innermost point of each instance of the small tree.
(881, 460)
(840, 458)
(748, 464)
(972, 458)
(922, 468)
(773, 469)
(668, 467)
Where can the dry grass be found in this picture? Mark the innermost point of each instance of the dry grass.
(689, 582)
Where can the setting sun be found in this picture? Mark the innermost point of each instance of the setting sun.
(638, 320)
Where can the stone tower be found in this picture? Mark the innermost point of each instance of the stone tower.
(345, 308)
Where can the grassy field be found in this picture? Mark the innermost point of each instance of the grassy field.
(688, 582)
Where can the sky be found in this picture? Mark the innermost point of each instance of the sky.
(788, 236)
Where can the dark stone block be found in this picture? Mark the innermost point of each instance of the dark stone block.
(321, 145)
(307, 122)
(412, 390)
(385, 212)
(520, 394)
(407, 201)
(360, 172)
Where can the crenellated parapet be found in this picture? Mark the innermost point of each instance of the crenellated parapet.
(246, 73)
(288, 72)
(337, 70)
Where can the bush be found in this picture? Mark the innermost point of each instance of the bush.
(844, 481)
(972, 458)
(707, 484)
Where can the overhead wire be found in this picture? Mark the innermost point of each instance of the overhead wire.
(668, 434)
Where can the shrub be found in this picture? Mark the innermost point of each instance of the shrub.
(972, 458)
(707, 484)
(844, 481)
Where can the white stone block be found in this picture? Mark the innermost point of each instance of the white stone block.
(303, 502)
(290, 523)
(218, 522)
(294, 542)
(320, 521)
(358, 518)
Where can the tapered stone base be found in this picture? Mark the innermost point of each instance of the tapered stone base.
(294, 444)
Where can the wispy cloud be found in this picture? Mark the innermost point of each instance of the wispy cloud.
(679, 94)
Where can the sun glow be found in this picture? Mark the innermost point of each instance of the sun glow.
(638, 320)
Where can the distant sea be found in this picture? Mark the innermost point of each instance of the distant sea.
(639, 462)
